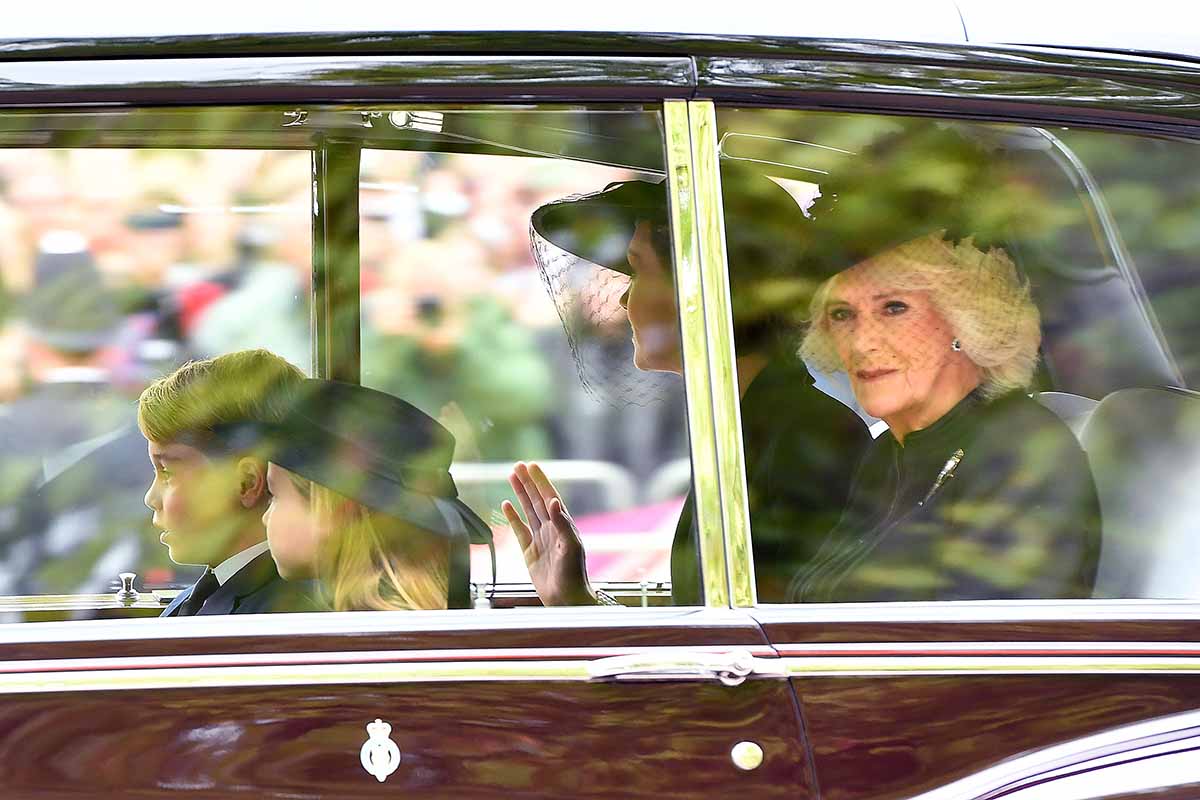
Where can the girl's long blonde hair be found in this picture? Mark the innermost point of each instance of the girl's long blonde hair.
(371, 561)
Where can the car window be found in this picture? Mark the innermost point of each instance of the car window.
(964, 357)
(161, 277)
(483, 304)
(120, 264)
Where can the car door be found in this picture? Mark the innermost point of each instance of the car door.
(929, 684)
(348, 238)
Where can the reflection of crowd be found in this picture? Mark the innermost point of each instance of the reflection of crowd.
(116, 266)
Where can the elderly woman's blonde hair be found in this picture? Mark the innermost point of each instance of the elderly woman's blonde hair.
(979, 294)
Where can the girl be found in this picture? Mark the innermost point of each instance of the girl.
(363, 502)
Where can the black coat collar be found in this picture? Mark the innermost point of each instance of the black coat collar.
(251, 578)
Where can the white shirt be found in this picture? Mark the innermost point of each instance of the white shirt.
(226, 569)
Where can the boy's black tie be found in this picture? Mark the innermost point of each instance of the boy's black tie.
(201, 591)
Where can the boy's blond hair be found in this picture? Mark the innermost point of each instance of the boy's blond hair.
(201, 397)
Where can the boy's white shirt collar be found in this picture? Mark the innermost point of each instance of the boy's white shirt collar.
(226, 569)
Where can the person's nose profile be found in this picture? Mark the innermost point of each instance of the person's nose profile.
(151, 499)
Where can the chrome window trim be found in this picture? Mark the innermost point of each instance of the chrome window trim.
(981, 611)
(721, 356)
(786, 653)
(1158, 65)
(1120, 99)
(722, 365)
(903, 666)
(268, 626)
(685, 203)
(300, 675)
(993, 648)
(283, 80)
(672, 664)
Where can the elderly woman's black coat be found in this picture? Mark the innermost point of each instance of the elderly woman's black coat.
(801, 447)
(1013, 515)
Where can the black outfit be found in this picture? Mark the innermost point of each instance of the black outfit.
(800, 448)
(256, 588)
(995, 500)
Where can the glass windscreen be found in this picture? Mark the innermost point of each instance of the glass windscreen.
(965, 357)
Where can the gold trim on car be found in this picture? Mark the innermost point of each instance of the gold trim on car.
(75, 602)
(894, 666)
(718, 328)
(689, 288)
(671, 664)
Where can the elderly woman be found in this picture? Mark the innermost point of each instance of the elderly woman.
(975, 491)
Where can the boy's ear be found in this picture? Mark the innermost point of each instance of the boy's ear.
(252, 481)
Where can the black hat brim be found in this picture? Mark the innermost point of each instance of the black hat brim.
(375, 449)
(444, 514)
(598, 227)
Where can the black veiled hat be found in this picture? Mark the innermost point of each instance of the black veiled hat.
(597, 227)
(376, 449)
(765, 241)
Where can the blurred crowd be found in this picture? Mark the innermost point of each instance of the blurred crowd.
(118, 265)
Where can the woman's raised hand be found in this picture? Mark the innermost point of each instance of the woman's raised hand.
(553, 552)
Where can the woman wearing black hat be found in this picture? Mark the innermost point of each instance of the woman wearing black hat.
(363, 501)
(800, 444)
(975, 491)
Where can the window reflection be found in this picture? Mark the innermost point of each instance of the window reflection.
(118, 266)
(965, 292)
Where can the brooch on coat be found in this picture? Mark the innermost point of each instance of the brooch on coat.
(946, 473)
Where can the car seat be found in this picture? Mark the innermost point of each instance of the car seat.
(1144, 448)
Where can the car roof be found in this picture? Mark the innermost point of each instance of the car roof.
(1157, 26)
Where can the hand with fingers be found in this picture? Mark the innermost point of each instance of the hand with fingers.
(553, 552)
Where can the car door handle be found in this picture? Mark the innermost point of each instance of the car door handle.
(730, 668)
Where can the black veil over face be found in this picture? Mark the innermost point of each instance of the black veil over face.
(580, 245)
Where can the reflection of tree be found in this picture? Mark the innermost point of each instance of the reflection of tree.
(1003, 185)
(1150, 186)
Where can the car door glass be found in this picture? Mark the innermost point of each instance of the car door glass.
(495, 249)
(130, 246)
(965, 357)
(495, 254)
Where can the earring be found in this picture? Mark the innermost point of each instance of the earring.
(956, 345)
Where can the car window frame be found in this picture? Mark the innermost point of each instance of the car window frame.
(1028, 85)
(33, 85)
(1036, 85)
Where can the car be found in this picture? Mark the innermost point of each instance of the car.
(360, 202)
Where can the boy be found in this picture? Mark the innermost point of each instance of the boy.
(210, 491)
